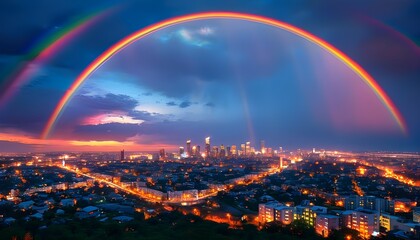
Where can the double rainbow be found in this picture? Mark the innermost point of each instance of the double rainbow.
(382, 96)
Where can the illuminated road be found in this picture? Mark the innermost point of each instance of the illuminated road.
(154, 198)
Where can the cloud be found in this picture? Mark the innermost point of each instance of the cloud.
(185, 104)
(209, 104)
(171, 104)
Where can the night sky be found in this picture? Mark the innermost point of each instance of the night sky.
(230, 79)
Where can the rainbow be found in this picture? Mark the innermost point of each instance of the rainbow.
(382, 96)
(45, 50)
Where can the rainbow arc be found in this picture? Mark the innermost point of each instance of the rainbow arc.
(93, 66)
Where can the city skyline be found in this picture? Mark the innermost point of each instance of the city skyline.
(233, 77)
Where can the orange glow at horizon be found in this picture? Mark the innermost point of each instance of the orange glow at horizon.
(71, 145)
(379, 92)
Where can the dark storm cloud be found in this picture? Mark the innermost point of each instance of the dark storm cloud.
(147, 116)
(106, 103)
(84, 106)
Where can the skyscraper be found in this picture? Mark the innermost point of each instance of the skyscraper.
(181, 151)
(208, 149)
(189, 149)
(233, 149)
(162, 155)
(222, 151)
(262, 146)
(248, 148)
(122, 157)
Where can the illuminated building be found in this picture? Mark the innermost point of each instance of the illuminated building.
(262, 146)
(197, 150)
(367, 202)
(266, 212)
(248, 149)
(243, 150)
(346, 219)
(207, 140)
(233, 150)
(194, 151)
(324, 224)
(162, 155)
(281, 150)
(228, 151)
(215, 151)
(181, 151)
(352, 202)
(308, 213)
(189, 150)
(365, 221)
(283, 214)
(122, 157)
(222, 151)
(389, 222)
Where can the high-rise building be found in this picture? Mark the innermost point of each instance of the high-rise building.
(248, 149)
(122, 157)
(222, 151)
(262, 146)
(208, 149)
(233, 150)
(189, 149)
(194, 151)
(162, 155)
(243, 149)
(228, 151)
(198, 150)
(215, 151)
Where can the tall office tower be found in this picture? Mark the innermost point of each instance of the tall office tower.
(194, 151)
(281, 149)
(181, 151)
(243, 151)
(262, 146)
(248, 148)
(222, 151)
(197, 150)
(122, 157)
(189, 149)
(208, 149)
(228, 151)
(233, 149)
(215, 151)
(162, 155)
